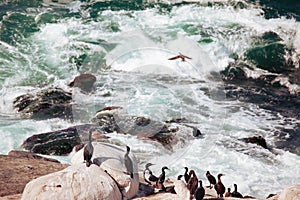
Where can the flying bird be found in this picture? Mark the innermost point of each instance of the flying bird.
(183, 57)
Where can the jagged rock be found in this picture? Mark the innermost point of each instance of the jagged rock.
(62, 142)
(74, 182)
(259, 140)
(290, 193)
(59, 142)
(18, 168)
(111, 159)
(48, 103)
(84, 81)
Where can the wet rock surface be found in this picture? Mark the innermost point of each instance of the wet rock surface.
(46, 104)
(61, 142)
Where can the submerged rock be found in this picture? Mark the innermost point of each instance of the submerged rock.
(259, 140)
(46, 104)
(84, 81)
(74, 182)
(110, 158)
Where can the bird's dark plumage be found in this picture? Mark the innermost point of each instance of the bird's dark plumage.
(183, 57)
(219, 187)
(211, 179)
(88, 151)
(162, 177)
(128, 162)
(147, 173)
(186, 175)
(235, 193)
(192, 184)
(228, 193)
(200, 192)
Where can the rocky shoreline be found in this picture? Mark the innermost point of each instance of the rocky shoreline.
(22, 167)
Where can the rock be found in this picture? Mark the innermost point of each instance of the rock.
(270, 57)
(111, 158)
(84, 81)
(59, 142)
(259, 140)
(290, 193)
(18, 168)
(74, 182)
(182, 193)
(46, 104)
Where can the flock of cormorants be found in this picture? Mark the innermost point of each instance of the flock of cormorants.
(191, 180)
(190, 177)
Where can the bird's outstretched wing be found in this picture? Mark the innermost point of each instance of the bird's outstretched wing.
(175, 57)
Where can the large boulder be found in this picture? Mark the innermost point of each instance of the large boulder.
(290, 193)
(74, 182)
(111, 159)
(60, 142)
(19, 167)
(46, 104)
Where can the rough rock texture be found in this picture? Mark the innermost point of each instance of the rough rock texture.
(18, 168)
(259, 140)
(74, 182)
(290, 193)
(111, 158)
(59, 142)
(46, 104)
(84, 81)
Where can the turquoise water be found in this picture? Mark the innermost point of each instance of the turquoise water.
(126, 46)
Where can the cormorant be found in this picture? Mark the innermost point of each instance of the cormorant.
(147, 172)
(219, 187)
(183, 57)
(192, 185)
(228, 193)
(88, 151)
(235, 193)
(162, 177)
(179, 177)
(200, 192)
(186, 175)
(128, 162)
(211, 179)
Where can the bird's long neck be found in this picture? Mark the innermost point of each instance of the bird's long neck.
(235, 188)
(219, 179)
(200, 182)
(90, 138)
(186, 170)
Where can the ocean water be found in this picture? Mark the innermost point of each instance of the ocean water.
(126, 46)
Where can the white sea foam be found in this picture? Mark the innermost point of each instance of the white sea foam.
(142, 78)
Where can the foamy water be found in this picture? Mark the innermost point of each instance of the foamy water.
(132, 65)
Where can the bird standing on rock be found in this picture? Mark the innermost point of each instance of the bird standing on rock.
(235, 193)
(88, 151)
(162, 177)
(186, 175)
(211, 179)
(192, 185)
(128, 162)
(219, 187)
(228, 193)
(147, 173)
(200, 192)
